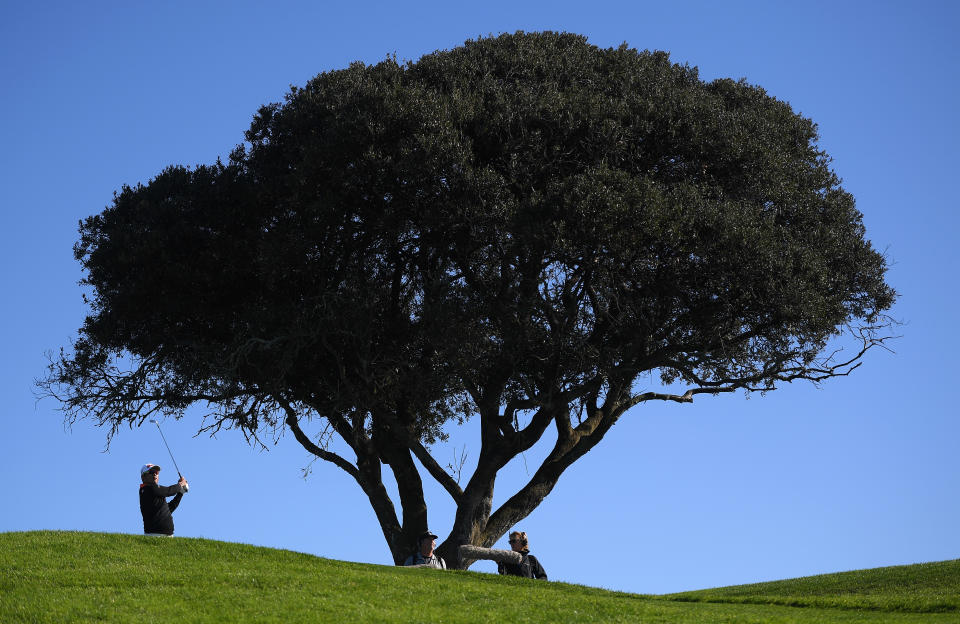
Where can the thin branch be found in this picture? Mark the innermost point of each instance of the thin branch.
(426, 459)
(308, 444)
(686, 397)
(443, 477)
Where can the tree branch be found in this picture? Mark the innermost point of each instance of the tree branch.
(308, 444)
(565, 452)
(686, 397)
(444, 478)
(436, 471)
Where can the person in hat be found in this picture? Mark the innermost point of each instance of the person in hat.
(424, 555)
(156, 511)
(529, 566)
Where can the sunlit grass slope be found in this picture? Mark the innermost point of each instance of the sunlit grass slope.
(91, 577)
(920, 588)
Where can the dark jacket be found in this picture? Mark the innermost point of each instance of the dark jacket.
(157, 513)
(529, 567)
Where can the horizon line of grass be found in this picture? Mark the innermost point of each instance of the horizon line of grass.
(932, 587)
(94, 577)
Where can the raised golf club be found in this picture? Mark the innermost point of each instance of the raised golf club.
(186, 488)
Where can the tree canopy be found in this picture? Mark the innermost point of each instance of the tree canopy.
(522, 230)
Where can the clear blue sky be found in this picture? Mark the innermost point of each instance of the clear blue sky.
(860, 473)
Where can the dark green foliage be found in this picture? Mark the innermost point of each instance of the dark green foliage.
(520, 227)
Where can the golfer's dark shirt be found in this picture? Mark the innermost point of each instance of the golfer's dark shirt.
(157, 513)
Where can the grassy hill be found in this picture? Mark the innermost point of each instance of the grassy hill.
(920, 588)
(93, 577)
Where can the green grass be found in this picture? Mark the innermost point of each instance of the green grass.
(920, 588)
(93, 577)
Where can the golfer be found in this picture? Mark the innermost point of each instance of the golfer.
(157, 512)
(529, 566)
(424, 555)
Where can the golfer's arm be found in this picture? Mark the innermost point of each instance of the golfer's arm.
(176, 501)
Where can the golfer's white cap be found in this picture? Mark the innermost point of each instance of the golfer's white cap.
(148, 467)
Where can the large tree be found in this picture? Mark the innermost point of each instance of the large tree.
(524, 230)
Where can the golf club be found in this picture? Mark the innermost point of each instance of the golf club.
(168, 447)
